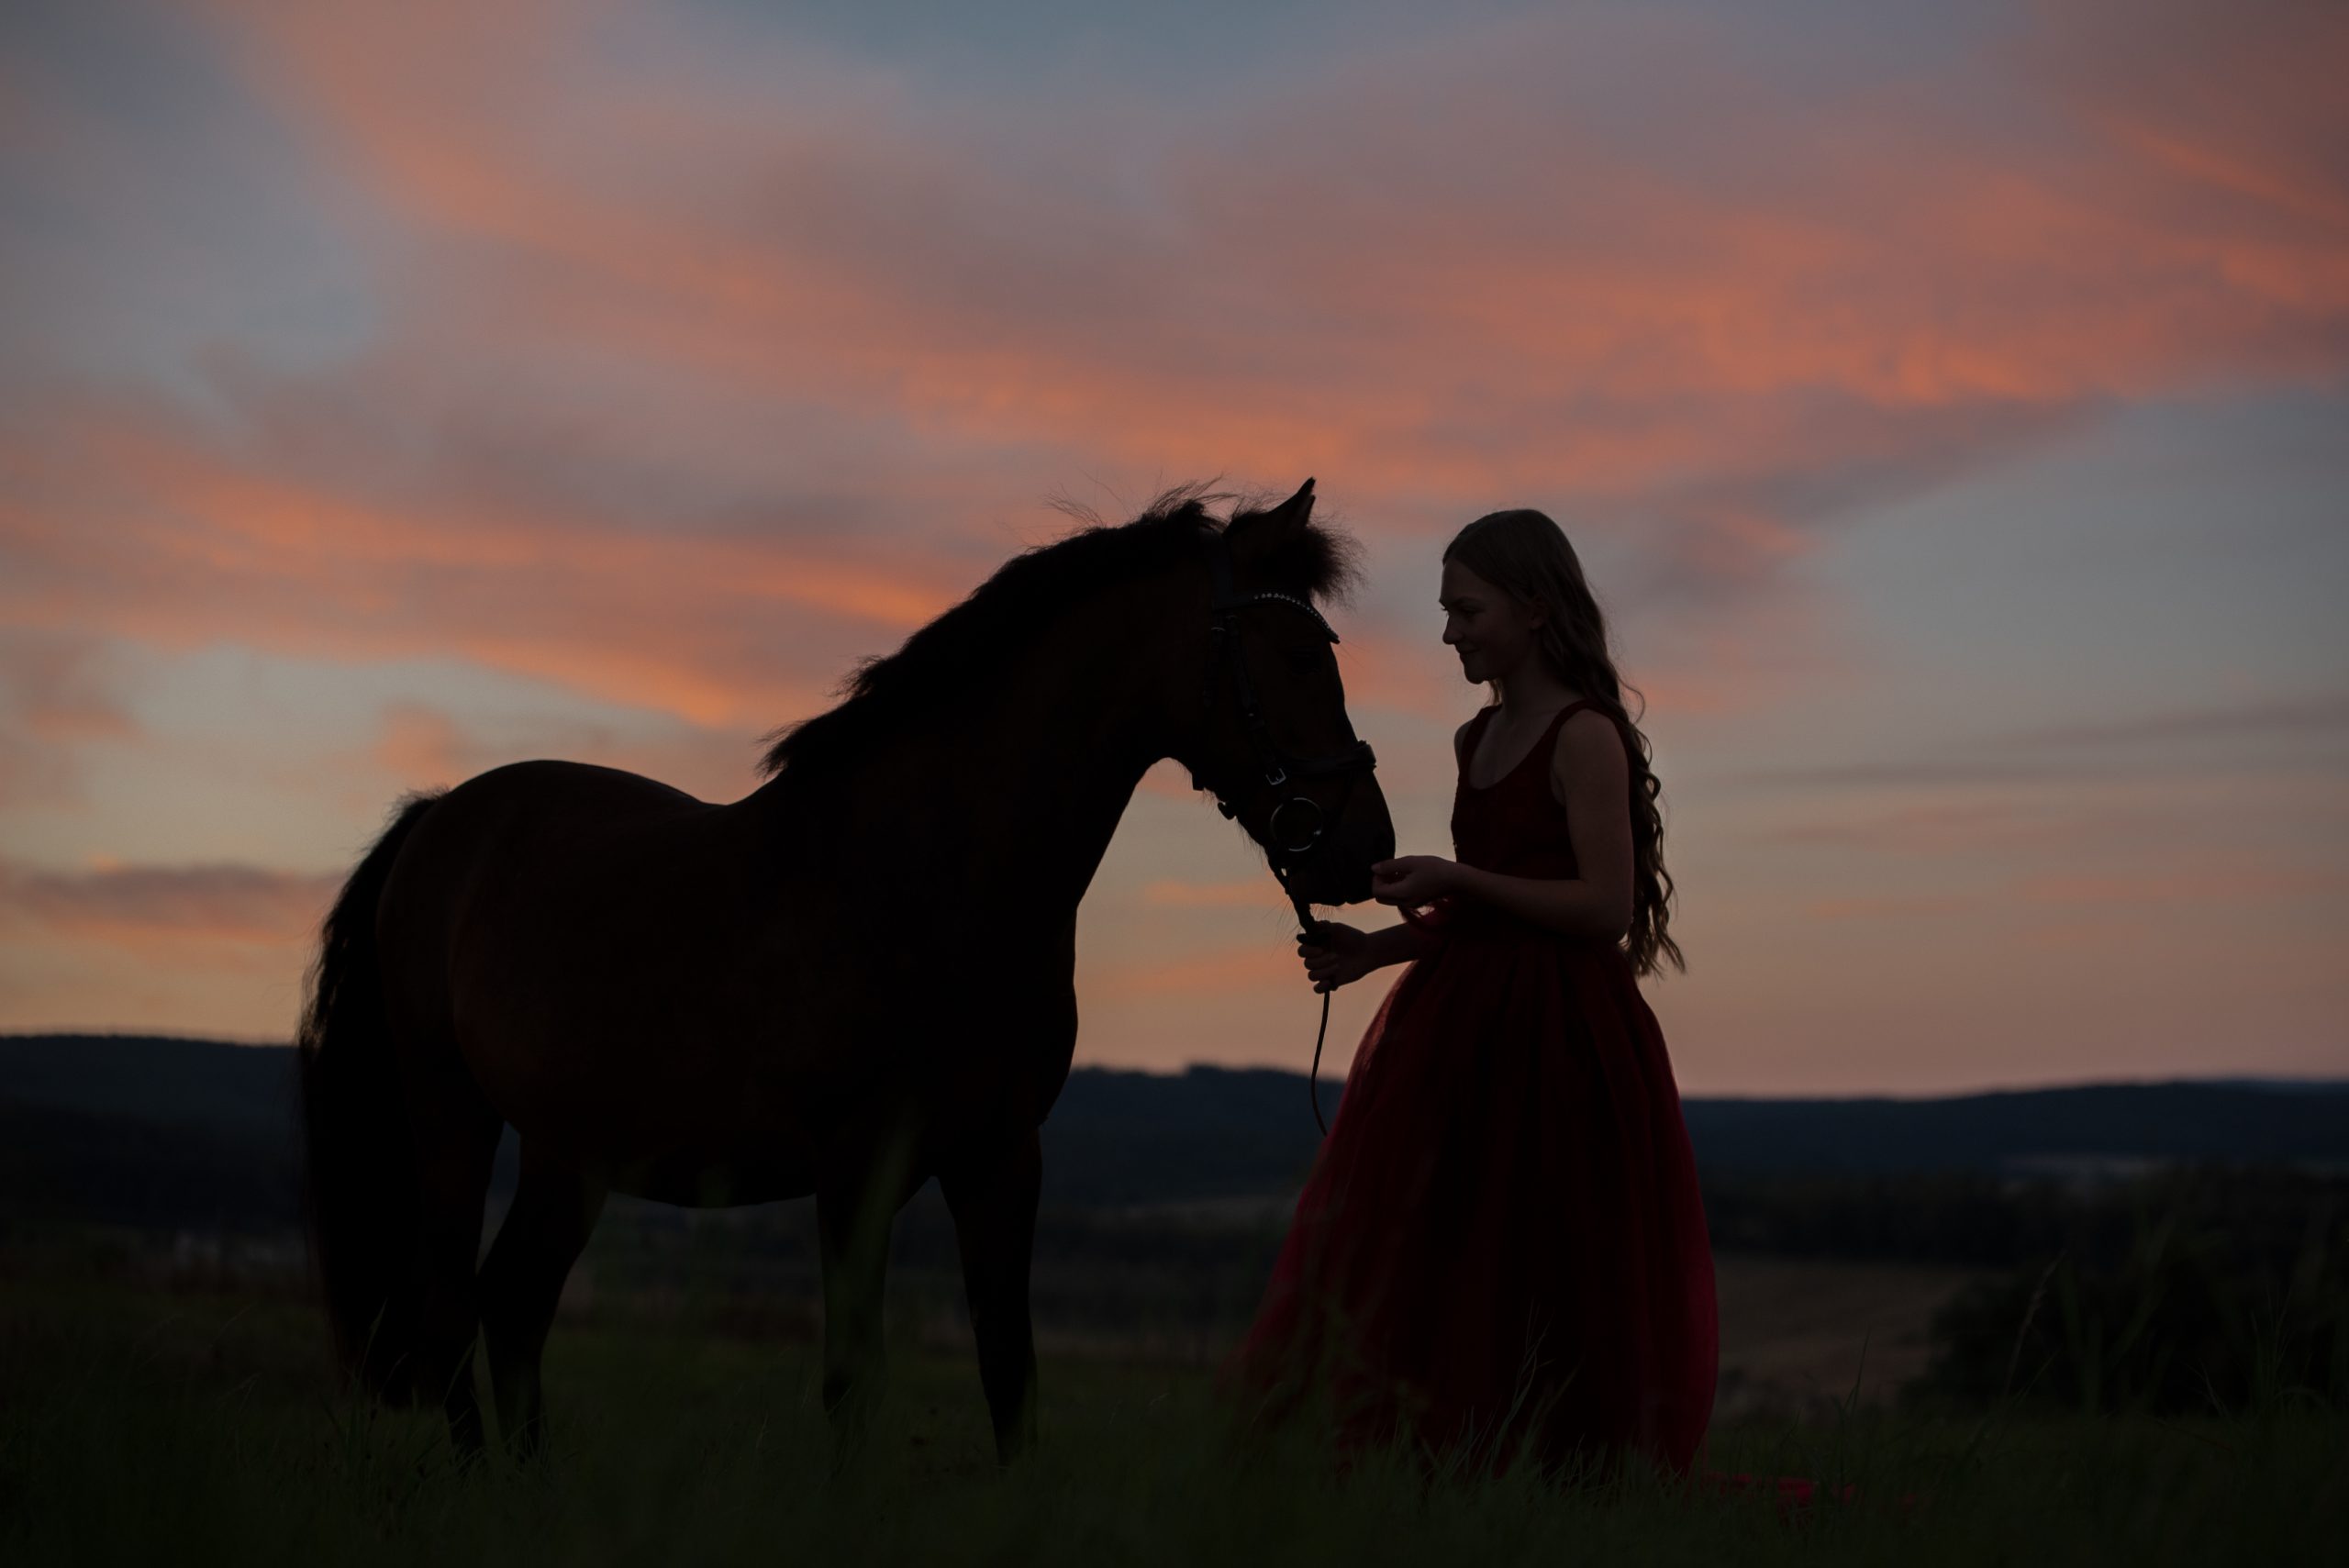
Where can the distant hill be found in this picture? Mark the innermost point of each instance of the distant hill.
(186, 1132)
(2233, 1122)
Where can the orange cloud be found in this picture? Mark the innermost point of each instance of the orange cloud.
(2247, 885)
(684, 389)
(1584, 313)
(1224, 970)
(1939, 828)
(2201, 881)
(1248, 895)
(1874, 907)
(1714, 344)
(146, 907)
(421, 747)
(300, 568)
(55, 696)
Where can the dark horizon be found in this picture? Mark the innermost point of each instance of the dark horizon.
(2295, 1081)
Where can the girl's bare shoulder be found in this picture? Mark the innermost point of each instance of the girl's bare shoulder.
(1589, 752)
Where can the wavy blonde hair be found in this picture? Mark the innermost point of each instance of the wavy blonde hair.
(1526, 555)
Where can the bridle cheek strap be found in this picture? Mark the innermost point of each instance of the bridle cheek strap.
(1276, 767)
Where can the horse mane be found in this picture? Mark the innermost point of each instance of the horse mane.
(945, 659)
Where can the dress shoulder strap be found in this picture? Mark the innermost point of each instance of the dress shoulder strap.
(1484, 715)
(1580, 702)
(1558, 720)
(1619, 730)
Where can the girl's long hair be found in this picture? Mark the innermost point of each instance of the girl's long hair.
(1524, 554)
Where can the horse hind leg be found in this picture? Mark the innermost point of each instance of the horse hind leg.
(456, 1139)
(553, 1214)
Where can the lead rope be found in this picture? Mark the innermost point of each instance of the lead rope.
(1305, 923)
(1313, 1077)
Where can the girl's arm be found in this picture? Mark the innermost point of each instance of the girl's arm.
(1401, 944)
(1573, 907)
(1344, 953)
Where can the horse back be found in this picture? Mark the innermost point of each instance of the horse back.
(640, 979)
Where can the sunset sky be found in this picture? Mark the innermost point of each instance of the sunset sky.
(1950, 404)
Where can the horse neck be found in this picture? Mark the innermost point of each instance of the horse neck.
(1006, 805)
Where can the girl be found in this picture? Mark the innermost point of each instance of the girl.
(1501, 1250)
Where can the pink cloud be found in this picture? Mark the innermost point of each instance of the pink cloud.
(1524, 298)
(149, 908)
(1252, 894)
(283, 563)
(2191, 881)
(683, 392)
(1713, 343)
(56, 696)
(420, 746)
(1879, 906)
(1223, 970)
(2186, 887)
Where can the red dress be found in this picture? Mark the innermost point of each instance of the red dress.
(1501, 1247)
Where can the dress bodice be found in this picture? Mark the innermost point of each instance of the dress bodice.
(1514, 826)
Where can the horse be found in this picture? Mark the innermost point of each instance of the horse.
(856, 978)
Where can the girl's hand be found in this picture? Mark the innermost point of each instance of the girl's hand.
(1334, 954)
(1414, 879)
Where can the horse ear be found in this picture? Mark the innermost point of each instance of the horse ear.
(1283, 548)
(1260, 531)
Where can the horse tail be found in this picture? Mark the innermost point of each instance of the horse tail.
(362, 1199)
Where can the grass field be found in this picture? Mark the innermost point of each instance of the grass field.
(155, 1426)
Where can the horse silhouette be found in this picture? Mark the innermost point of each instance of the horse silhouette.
(855, 978)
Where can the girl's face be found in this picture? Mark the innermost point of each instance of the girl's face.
(1492, 632)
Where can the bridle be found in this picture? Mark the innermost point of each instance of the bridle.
(1297, 821)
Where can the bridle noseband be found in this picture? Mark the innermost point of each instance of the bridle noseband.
(1304, 817)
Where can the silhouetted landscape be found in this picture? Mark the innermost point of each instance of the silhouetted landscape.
(175, 1132)
(1926, 1223)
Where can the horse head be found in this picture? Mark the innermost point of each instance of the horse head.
(1275, 743)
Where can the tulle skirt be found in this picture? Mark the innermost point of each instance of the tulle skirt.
(1501, 1249)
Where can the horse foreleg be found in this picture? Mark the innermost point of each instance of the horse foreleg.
(553, 1214)
(994, 1203)
(853, 1223)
